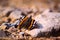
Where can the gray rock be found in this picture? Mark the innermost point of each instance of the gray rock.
(2, 33)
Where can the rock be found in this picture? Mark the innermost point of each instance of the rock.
(1, 21)
(12, 29)
(48, 21)
(16, 14)
(16, 22)
(33, 32)
(2, 27)
(5, 19)
(6, 11)
(2, 33)
(21, 34)
(8, 25)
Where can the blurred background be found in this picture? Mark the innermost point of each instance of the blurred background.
(27, 3)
